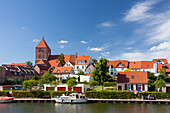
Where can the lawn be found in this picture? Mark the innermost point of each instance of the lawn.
(99, 88)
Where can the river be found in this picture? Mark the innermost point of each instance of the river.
(83, 108)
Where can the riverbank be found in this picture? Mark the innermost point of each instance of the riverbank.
(92, 100)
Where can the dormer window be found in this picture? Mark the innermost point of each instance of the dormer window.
(120, 65)
(147, 65)
(65, 71)
(20, 73)
(80, 62)
(58, 70)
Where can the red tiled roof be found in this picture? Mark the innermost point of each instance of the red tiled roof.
(166, 67)
(89, 74)
(18, 64)
(62, 69)
(164, 60)
(116, 62)
(141, 64)
(139, 77)
(45, 62)
(83, 58)
(42, 44)
(54, 63)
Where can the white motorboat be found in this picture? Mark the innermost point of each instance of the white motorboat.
(74, 98)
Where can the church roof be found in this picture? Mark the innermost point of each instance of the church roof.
(42, 44)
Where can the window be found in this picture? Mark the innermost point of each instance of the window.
(20, 73)
(82, 67)
(132, 77)
(147, 65)
(39, 50)
(77, 67)
(60, 78)
(57, 74)
(65, 71)
(122, 69)
(128, 86)
(120, 65)
(40, 56)
(139, 87)
(60, 74)
(58, 70)
(79, 62)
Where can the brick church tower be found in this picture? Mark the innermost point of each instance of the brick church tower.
(42, 51)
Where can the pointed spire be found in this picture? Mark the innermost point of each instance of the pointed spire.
(42, 44)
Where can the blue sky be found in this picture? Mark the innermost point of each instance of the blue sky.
(113, 29)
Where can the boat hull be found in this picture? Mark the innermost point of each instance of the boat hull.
(6, 99)
(71, 101)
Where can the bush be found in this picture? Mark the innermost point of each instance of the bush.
(167, 80)
(4, 93)
(38, 94)
(105, 84)
(124, 94)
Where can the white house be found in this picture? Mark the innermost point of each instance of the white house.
(81, 63)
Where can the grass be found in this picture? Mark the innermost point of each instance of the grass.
(99, 88)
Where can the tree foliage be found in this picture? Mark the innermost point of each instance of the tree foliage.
(61, 59)
(47, 78)
(71, 83)
(35, 78)
(159, 84)
(93, 83)
(162, 72)
(127, 70)
(80, 73)
(94, 60)
(29, 63)
(29, 84)
(101, 72)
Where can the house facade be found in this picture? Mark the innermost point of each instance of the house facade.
(132, 81)
(63, 72)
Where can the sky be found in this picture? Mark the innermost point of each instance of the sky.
(112, 29)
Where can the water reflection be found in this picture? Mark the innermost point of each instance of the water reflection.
(83, 108)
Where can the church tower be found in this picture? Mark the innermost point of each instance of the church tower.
(42, 51)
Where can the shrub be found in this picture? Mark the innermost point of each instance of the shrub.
(109, 84)
(124, 94)
(4, 93)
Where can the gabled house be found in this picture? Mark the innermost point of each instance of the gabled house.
(90, 68)
(81, 63)
(166, 67)
(117, 66)
(60, 72)
(133, 80)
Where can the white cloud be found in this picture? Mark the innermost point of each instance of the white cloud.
(106, 24)
(161, 46)
(154, 26)
(23, 28)
(61, 46)
(96, 49)
(129, 48)
(84, 42)
(106, 54)
(63, 41)
(36, 40)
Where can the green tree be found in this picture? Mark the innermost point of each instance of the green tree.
(162, 73)
(71, 83)
(47, 78)
(35, 78)
(93, 83)
(101, 72)
(29, 84)
(80, 73)
(151, 81)
(127, 70)
(29, 63)
(61, 59)
(159, 84)
(94, 60)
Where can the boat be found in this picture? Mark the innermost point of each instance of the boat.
(73, 98)
(6, 99)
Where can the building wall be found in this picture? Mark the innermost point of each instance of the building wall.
(68, 64)
(81, 68)
(2, 74)
(90, 69)
(132, 85)
(45, 52)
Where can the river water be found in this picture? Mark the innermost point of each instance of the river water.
(83, 108)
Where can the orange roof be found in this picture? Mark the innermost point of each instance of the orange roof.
(71, 58)
(116, 62)
(141, 65)
(166, 67)
(62, 69)
(126, 77)
(164, 60)
(83, 58)
(43, 62)
(54, 63)
(42, 44)
(18, 64)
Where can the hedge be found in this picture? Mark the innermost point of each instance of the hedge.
(123, 94)
(105, 84)
(4, 93)
(38, 94)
